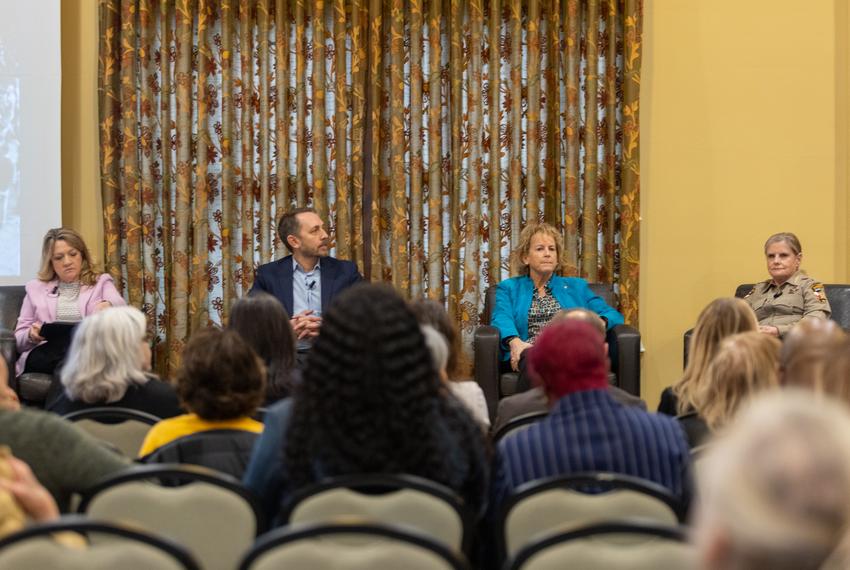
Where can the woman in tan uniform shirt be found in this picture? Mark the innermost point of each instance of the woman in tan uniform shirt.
(789, 295)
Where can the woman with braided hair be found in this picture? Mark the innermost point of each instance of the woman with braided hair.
(370, 402)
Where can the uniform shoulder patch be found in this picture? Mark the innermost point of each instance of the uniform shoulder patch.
(753, 290)
(817, 289)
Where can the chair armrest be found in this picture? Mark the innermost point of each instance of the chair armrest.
(625, 357)
(9, 349)
(486, 347)
(686, 347)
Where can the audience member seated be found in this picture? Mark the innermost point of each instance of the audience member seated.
(719, 319)
(64, 458)
(836, 373)
(790, 295)
(468, 392)
(806, 351)
(370, 402)
(221, 382)
(526, 303)
(106, 366)
(535, 400)
(67, 289)
(22, 497)
(472, 398)
(587, 429)
(745, 365)
(775, 487)
(262, 322)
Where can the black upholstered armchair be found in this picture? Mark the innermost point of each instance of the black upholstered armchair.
(623, 349)
(31, 387)
(838, 296)
(11, 299)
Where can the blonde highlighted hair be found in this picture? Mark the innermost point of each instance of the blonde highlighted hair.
(524, 247)
(745, 364)
(88, 274)
(719, 319)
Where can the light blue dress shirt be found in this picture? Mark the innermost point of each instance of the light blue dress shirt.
(306, 293)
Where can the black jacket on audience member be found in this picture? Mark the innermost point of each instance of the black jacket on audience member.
(154, 397)
(225, 450)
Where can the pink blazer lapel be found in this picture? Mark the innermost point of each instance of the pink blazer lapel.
(86, 293)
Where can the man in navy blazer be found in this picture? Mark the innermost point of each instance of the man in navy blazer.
(306, 281)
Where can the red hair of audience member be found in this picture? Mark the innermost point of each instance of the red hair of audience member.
(569, 356)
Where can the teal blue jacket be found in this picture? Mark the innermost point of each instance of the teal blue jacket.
(513, 300)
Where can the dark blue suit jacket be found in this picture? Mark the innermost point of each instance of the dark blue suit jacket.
(275, 278)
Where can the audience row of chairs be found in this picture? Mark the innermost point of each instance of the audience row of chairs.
(344, 546)
(123, 430)
(199, 518)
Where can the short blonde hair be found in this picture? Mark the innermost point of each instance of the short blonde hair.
(104, 356)
(745, 364)
(719, 319)
(775, 485)
(88, 275)
(524, 247)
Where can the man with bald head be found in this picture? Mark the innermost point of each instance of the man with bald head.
(587, 429)
(535, 401)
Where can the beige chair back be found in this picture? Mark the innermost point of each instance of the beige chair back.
(122, 429)
(126, 437)
(44, 554)
(633, 545)
(330, 547)
(215, 523)
(565, 509)
(621, 551)
(408, 508)
(37, 548)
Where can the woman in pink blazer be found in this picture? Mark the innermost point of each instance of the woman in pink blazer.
(67, 290)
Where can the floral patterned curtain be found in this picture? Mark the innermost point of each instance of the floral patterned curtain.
(426, 132)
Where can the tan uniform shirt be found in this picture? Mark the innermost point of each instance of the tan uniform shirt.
(783, 307)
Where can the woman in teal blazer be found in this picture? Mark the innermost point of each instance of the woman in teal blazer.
(526, 303)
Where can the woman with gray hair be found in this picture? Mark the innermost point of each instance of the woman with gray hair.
(108, 365)
(775, 487)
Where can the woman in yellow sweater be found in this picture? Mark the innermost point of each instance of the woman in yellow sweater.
(221, 383)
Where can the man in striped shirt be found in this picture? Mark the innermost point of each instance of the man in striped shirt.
(587, 429)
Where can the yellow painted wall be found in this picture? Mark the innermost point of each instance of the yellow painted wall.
(81, 203)
(742, 106)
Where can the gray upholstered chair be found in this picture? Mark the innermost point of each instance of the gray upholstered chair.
(623, 348)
